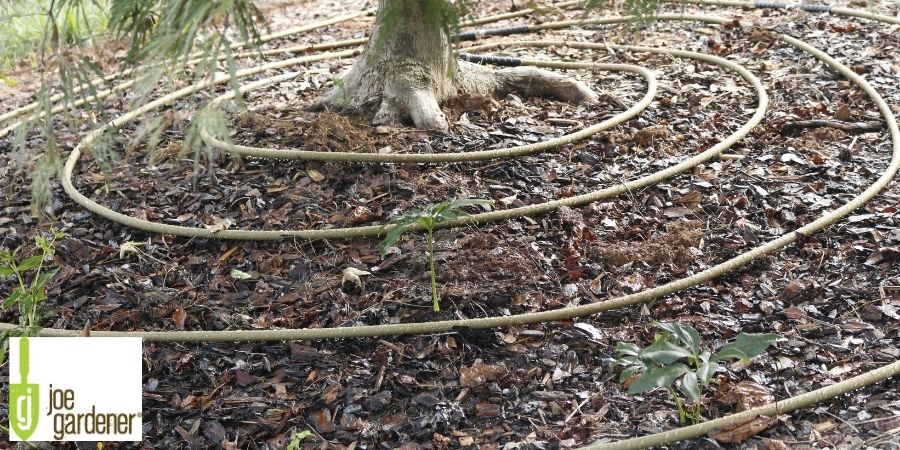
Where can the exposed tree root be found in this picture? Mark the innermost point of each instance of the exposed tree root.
(408, 93)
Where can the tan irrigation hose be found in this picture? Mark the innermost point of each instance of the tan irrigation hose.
(478, 218)
(770, 410)
(375, 230)
(836, 10)
(642, 297)
(54, 98)
(832, 391)
(309, 48)
(531, 317)
(510, 152)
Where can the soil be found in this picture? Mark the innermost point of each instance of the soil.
(833, 297)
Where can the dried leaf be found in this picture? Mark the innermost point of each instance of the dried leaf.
(479, 374)
(220, 225)
(179, 316)
(649, 134)
(353, 275)
(239, 275)
(315, 175)
(843, 112)
(774, 444)
(691, 199)
(735, 434)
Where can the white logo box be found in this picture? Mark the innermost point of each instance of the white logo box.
(90, 377)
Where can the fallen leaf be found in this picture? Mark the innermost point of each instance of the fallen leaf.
(843, 28)
(220, 225)
(479, 374)
(353, 275)
(791, 157)
(740, 432)
(649, 134)
(589, 329)
(691, 199)
(774, 444)
(315, 175)
(822, 427)
(793, 292)
(748, 395)
(745, 395)
(321, 421)
(676, 212)
(239, 275)
(843, 112)
(179, 316)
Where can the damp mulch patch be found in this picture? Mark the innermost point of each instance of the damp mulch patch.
(831, 296)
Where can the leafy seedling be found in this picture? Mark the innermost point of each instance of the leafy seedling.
(31, 286)
(297, 439)
(427, 219)
(676, 353)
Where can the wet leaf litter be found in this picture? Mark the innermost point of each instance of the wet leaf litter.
(832, 296)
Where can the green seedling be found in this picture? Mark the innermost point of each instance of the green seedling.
(342, 90)
(676, 353)
(296, 440)
(31, 286)
(428, 219)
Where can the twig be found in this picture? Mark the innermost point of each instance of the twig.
(576, 410)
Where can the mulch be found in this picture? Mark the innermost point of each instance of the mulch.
(833, 297)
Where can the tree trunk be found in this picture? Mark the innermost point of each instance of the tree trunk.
(408, 68)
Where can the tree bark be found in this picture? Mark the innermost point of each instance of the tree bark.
(408, 68)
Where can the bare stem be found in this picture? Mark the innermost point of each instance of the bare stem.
(434, 288)
(682, 414)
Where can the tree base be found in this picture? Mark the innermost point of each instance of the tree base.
(405, 92)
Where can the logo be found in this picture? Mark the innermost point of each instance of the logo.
(23, 398)
(75, 389)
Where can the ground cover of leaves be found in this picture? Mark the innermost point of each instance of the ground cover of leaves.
(833, 296)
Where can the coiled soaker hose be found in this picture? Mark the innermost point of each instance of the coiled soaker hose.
(659, 439)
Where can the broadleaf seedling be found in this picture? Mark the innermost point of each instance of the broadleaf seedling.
(428, 219)
(31, 285)
(676, 353)
(297, 439)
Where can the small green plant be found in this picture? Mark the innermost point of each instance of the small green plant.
(676, 353)
(345, 98)
(427, 219)
(30, 289)
(296, 440)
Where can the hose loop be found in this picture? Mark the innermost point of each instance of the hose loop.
(352, 49)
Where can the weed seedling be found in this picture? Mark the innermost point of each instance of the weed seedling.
(30, 289)
(297, 439)
(344, 97)
(676, 353)
(428, 219)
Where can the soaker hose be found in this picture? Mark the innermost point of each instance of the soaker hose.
(565, 313)
(834, 10)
